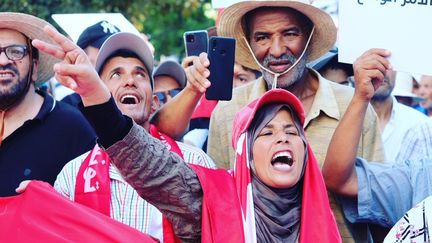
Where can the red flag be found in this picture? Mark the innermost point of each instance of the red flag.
(93, 182)
(41, 214)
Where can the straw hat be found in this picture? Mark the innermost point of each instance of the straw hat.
(231, 25)
(32, 27)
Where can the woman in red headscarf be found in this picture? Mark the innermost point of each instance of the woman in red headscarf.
(275, 194)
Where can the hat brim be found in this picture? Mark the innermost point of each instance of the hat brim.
(404, 93)
(32, 27)
(126, 41)
(230, 25)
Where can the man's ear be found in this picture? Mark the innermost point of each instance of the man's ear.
(35, 64)
(155, 104)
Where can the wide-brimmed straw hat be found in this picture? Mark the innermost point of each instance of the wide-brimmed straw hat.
(32, 27)
(232, 25)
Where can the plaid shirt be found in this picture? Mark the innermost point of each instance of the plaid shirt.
(406, 133)
(417, 143)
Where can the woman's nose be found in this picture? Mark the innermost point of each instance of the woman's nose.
(282, 138)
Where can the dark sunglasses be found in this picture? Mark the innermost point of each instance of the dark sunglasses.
(162, 96)
(14, 52)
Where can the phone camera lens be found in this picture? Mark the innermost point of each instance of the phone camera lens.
(190, 38)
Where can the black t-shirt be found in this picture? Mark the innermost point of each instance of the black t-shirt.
(40, 148)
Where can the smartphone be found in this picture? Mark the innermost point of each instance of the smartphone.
(221, 54)
(196, 42)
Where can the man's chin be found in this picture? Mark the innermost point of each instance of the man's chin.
(8, 81)
(285, 81)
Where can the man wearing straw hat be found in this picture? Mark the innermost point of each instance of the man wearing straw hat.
(38, 135)
(279, 38)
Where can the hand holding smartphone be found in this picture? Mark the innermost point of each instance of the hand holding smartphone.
(221, 54)
(195, 42)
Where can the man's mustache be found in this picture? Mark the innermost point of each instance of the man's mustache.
(10, 68)
(284, 58)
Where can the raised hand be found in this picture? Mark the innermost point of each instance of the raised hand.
(338, 168)
(75, 71)
(197, 72)
(22, 186)
(369, 71)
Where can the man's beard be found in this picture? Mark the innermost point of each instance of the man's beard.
(12, 95)
(289, 78)
(383, 92)
(381, 96)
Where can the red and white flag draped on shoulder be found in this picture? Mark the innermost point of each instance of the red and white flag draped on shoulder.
(93, 182)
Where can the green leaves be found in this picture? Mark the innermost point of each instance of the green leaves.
(164, 20)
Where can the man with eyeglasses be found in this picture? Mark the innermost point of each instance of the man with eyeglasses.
(38, 135)
(169, 80)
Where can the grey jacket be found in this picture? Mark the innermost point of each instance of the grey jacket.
(162, 178)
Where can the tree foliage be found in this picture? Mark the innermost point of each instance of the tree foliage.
(164, 20)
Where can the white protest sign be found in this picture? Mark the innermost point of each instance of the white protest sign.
(223, 3)
(75, 24)
(400, 26)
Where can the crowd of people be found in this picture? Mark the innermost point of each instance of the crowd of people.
(307, 150)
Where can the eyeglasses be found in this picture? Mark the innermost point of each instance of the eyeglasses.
(162, 96)
(14, 52)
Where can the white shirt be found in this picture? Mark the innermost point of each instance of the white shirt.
(403, 120)
(126, 205)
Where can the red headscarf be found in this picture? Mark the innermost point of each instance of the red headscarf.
(317, 222)
(228, 210)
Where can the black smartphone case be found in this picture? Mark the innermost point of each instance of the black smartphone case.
(195, 42)
(221, 54)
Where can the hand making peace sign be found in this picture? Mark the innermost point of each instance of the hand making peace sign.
(75, 71)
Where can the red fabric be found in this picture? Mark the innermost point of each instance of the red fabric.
(221, 212)
(40, 214)
(227, 211)
(204, 108)
(168, 232)
(170, 143)
(317, 220)
(92, 186)
(242, 175)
